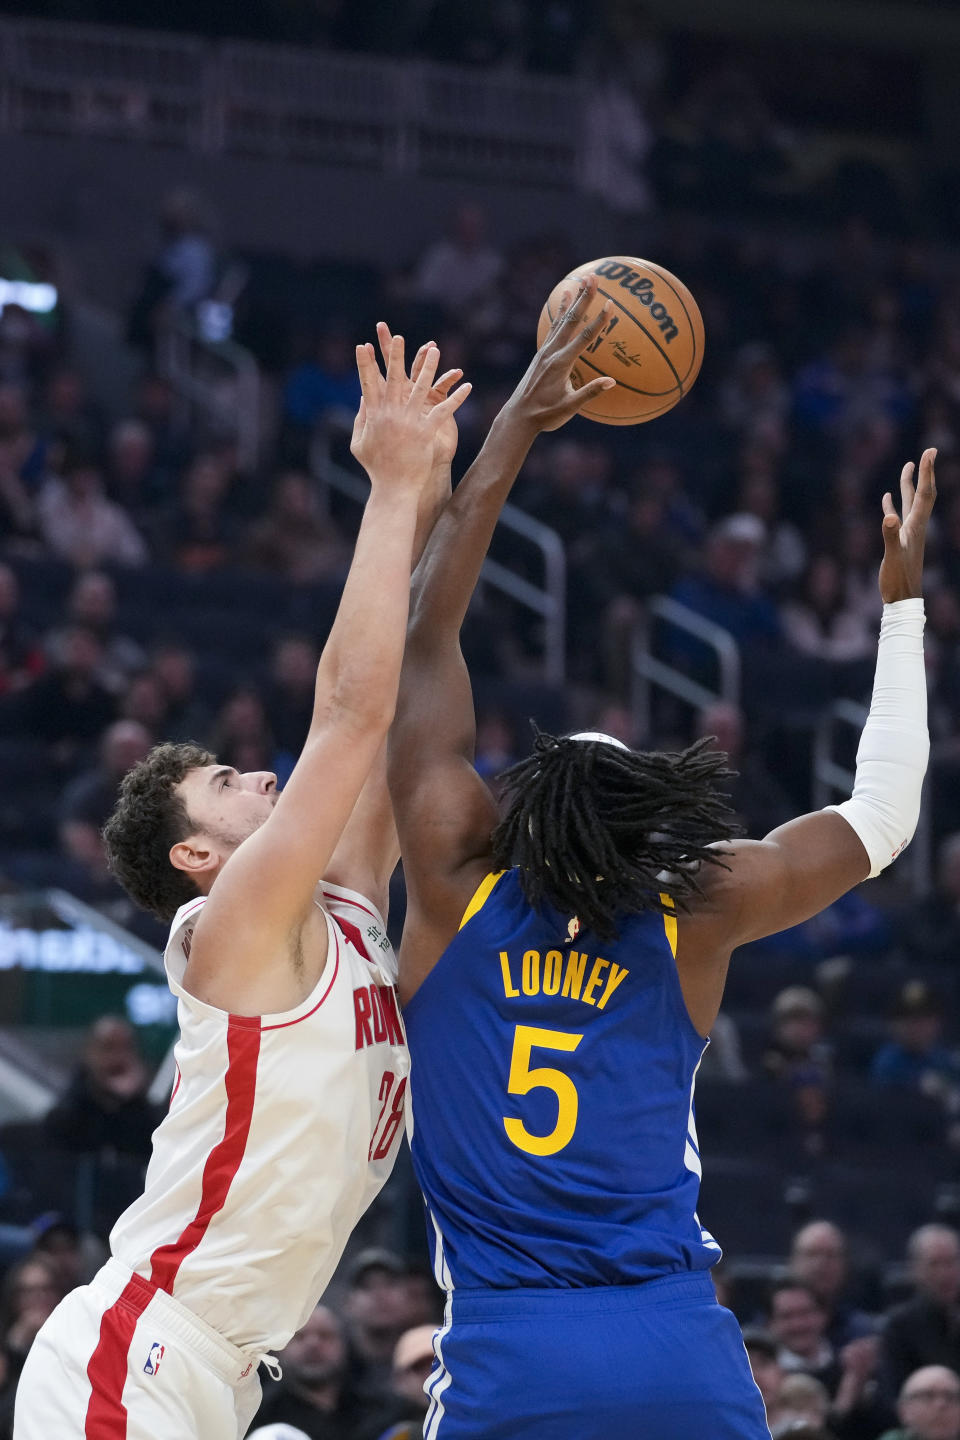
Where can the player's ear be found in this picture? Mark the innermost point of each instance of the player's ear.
(194, 855)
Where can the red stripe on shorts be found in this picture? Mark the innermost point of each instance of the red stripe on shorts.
(107, 1371)
(223, 1162)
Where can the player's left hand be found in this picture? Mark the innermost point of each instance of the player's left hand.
(549, 394)
(901, 573)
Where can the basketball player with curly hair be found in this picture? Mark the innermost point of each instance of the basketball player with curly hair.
(289, 1099)
(560, 971)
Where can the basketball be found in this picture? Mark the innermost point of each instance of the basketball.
(652, 344)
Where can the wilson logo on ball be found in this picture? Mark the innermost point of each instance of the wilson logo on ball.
(641, 286)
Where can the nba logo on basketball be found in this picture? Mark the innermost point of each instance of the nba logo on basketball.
(153, 1359)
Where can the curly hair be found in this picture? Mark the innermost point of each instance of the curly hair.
(593, 827)
(148, 818)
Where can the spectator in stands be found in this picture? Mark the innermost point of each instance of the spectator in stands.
(929, 1406)
(242, 738)
(413, 1359)
(930, 928)
(67, 707)
(760, 494)
(727, 590)
(81, 525)
(69, 419)
(92, 603)
(818, 621)
(145, 702)
(819, 1257)
(185, 716)
(798, 1322)
(761, 1348)
(412, 1363)
(188, 259)
(21, 658)
(89, 799)
(30, 1293)
(803, 1402)
(199, 534)
(925, 1330)
(59, 1242)
(19, 521)
(377, 1308)
(496, 744)
(134, 478)
(755, 794)
(8, 1395)
(456, 271)
(915, 1058)
(105, 1109)
(316, 1395)
(293, 677)
(23, 453)
(798, 1052)
(156, 407)
(754, 400)
(296, 538)
(324, 388)
(183, 273)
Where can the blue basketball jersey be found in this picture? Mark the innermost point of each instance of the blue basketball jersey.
(553, 1132)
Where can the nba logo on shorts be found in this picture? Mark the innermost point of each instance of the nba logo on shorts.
(153, 1359)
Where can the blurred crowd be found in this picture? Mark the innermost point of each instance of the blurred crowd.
(157, 583)
(841, 1348)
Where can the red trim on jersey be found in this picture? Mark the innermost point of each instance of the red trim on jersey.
(106, 1417)
(353, 935)
(193, 907)
(176, 1085)
(283, 1024)
(349, 900)
(223, 1162)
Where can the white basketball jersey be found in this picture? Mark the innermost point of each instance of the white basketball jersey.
(281, 1130)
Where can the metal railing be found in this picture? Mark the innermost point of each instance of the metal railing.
(216, 381)
(832, 777)
(408, 116)
(650, 673)
(548, 602)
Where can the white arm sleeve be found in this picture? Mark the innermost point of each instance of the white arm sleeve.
(895, 745)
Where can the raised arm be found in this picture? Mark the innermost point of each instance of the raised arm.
(369, 848)
(445, 814)
(804, 866)
(264, 893)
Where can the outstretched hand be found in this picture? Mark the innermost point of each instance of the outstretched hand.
(547, 396)
(901, 572)
(398, 427)
(445, 447)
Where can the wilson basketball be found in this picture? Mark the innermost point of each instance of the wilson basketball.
(652, 344)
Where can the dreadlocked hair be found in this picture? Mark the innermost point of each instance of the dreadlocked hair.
(148, 818)
(592, 827)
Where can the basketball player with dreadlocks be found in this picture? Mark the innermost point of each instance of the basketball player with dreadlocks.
(560, 971)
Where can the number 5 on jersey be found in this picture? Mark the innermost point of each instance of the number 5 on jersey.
(522, 1080)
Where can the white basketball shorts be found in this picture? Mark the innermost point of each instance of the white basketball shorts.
(119, 1360)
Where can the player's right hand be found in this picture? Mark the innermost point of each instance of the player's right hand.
(901, 572)
(448, 437)
(547, 396)
(396, 432)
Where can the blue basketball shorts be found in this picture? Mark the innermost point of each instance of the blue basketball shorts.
(656, 1361)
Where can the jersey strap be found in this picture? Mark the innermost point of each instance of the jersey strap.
(480, 896)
